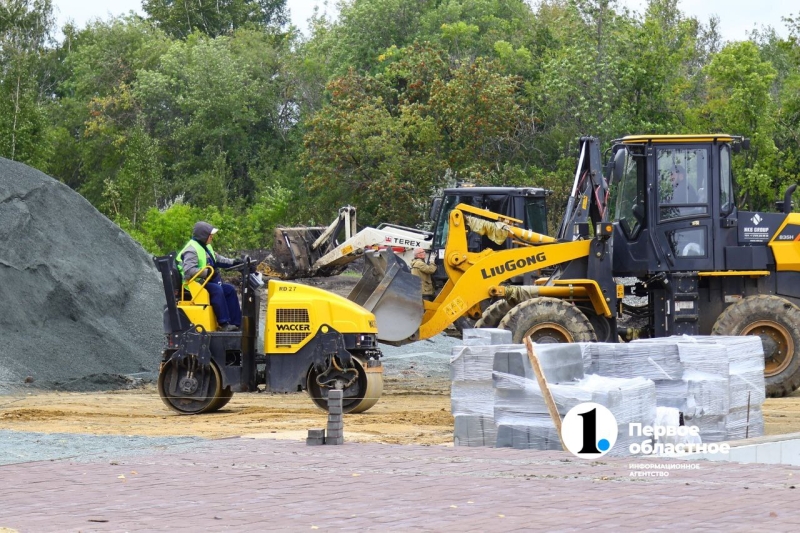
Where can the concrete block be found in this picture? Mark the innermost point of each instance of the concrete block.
(486, 337)
(335, 394)
(335, 409)
(335, 417)
(474, 430)
(334, 433)
(743, 454)
(316, 433)
(315, 442)
(335, 425)
(335, 441)
(768, 453)
(790, 452)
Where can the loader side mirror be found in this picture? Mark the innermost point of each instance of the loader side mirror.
(436, 204)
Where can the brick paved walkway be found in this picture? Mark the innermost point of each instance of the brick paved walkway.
(246, 484)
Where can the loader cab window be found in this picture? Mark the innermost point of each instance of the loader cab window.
(627, 193)
(444, 217)
(682, 182)
(536, 215)
(725, 181)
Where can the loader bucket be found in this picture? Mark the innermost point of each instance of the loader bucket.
(393, 294)
(292, 256)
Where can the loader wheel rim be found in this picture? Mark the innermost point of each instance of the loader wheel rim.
(549, 333)
(778, 345)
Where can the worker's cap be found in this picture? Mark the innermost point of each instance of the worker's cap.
(202, 230)
(419, 251)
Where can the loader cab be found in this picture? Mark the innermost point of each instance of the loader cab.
(528, 204)
(672, 203)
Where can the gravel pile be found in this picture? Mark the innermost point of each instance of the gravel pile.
(81, 299)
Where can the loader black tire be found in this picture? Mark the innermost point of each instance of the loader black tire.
(602, 326)
(777, 321)
(548, 320)
(493, 314)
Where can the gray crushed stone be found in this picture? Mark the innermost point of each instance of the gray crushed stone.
(81, 298)
(23, 447)
(427, 358)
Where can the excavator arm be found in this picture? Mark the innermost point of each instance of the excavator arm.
(302, 252)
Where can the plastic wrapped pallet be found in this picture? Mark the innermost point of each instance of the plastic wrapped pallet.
(702, 394)
(486, 337)
(712, 428)
(655, 361)
(746, 357)
(537, 433)
(739, 426)
(523, 420)
(561, 363)
(472, 395)
(631, 400)
(671, 417)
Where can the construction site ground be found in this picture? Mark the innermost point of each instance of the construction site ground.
(413, 410)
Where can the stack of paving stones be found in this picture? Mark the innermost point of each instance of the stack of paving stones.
(472, 394)
(316, 437)
(719, 374)
(521, 414)
(746, 357)
(335, 420)
(335, 429)
(697, 386)
(707, 380)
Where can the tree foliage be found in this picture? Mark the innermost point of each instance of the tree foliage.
(179, 19)
(217, 111)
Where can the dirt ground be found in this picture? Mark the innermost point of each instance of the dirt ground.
(410, 412)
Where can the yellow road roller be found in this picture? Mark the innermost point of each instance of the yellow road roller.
(313, 340)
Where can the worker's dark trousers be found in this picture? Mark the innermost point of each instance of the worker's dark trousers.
(225, 303)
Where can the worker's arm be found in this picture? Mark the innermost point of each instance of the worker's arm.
(427, 268)
(190, 263)
(227, 262)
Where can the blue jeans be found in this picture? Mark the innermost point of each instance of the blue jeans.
(225, 303)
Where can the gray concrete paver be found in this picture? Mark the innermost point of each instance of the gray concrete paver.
(284, 485)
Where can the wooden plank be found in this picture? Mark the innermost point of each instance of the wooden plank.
(546, 394)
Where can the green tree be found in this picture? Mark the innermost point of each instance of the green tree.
(180, 19)
(25, 27)
(739, 102)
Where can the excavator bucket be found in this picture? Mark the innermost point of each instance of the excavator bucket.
(394, 295)
(292, 254)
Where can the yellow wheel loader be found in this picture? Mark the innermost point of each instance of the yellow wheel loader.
(665, 215)
(313, 340)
